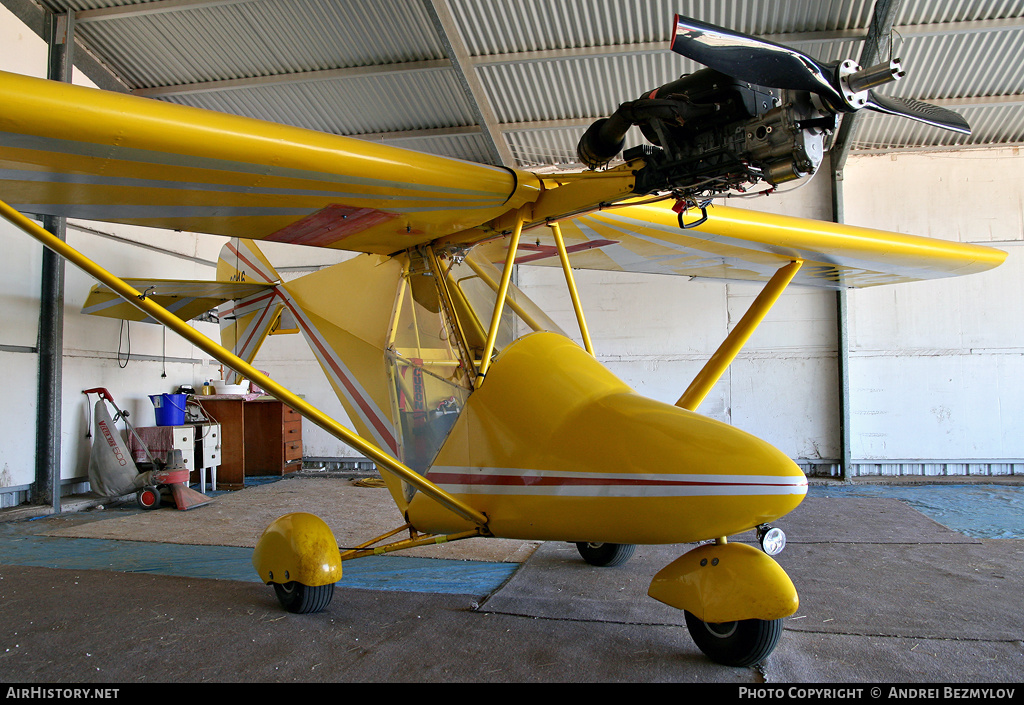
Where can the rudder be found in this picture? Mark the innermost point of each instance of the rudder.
(247, 322)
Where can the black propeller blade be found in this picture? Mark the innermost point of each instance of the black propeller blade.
(844, 86)
(916, 110)
(758, 61)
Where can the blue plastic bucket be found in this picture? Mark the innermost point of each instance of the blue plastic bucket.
(170, 408)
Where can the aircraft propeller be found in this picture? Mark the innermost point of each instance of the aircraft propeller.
(843, 85)
(758, 112)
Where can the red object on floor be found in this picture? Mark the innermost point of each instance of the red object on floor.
(186, 498)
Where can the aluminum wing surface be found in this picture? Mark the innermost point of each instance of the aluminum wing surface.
(83, 153)
(738, 244)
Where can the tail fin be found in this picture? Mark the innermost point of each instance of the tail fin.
(242, 261)
(245, 324)
(345, 312)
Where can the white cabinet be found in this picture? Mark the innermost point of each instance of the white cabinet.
(208, 450)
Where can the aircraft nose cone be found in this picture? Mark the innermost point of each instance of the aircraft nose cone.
(564, 448)
(704, 478)
(730, 480)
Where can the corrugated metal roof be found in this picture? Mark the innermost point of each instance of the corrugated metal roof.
(519, 80)
(267, 38)
(354, 106)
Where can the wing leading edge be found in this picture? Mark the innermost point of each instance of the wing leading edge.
(83, 153)
(740, 244)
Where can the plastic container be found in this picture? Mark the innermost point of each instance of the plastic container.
(225, 388)
(170, 408)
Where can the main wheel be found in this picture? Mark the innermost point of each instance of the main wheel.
(743, 643)
(148, 498)
(606, 554)
(304, 599)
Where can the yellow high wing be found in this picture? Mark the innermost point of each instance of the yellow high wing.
(78, 152)
(740, 244)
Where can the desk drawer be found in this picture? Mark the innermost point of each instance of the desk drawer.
(293, 450)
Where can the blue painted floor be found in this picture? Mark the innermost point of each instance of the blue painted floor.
(21, 544)
(978, 511)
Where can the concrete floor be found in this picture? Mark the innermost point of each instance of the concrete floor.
(114, 596)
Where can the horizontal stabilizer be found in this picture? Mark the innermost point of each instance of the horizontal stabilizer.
(185, 299)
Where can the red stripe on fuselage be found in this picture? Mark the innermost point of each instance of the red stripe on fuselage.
(328, 355)
(535, 481)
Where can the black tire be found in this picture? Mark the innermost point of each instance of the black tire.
(304, 599)
(148, 498)
(744, 643)
(606, 554)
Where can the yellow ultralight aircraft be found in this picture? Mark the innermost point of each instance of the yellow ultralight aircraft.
(477, 428)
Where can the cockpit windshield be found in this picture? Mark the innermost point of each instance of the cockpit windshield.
(442, 315)
(477, 281)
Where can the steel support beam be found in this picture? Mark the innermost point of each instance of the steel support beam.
(341, 74)
(876, 45)
(36, 19)
(50, 343)
(842, 348)
(448, 32)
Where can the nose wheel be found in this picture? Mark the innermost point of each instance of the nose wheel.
(743, 643)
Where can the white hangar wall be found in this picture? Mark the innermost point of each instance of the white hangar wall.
(937, 368)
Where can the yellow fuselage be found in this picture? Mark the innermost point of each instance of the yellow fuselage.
(554, 447)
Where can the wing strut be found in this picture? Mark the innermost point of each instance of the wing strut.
(737, 338)
(499, 302)
(563, 255)
(225, 356)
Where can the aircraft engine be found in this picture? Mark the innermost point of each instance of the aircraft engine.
(760, 111)
(710, 133)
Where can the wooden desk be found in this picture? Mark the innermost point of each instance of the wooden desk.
(260, 436)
